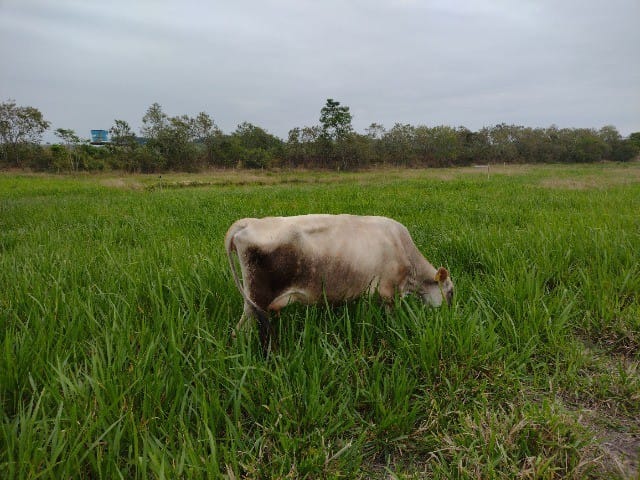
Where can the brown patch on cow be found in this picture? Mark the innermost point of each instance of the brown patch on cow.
(272, 272)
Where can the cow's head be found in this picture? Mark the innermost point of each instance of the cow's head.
(438, 288)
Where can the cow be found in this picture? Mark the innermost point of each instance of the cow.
(309, 258)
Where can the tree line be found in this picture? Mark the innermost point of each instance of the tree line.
(184, 143)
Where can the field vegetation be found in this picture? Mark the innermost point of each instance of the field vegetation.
(194, 143)
(117, 305)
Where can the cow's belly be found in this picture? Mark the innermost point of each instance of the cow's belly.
(339, 281)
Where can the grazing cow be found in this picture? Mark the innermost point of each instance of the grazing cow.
(338, 257)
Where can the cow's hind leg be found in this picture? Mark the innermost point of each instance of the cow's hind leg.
(264, 325)
(265, 331)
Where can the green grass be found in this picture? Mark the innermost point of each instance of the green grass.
(117, 305)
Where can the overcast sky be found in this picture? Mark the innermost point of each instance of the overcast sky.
(274, 62)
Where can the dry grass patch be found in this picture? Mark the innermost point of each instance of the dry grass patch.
(606, 175)
(121, 182)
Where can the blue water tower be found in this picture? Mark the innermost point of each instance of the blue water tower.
(99, 137)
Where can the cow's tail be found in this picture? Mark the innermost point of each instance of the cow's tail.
(264, 325)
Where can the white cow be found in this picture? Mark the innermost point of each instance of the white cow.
(308, 258)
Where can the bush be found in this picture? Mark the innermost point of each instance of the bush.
(146, 160)
(255, 158)
(624, 151)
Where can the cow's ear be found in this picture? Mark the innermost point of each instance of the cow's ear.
(441, 275)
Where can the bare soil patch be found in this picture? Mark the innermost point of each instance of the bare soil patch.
(616, 429)
(127, 183)
(618, 439)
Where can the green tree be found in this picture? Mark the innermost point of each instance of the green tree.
(619, 149)
(20, 128)
(60, 158)
(203, 128)
(71, 142)
(335, 120)
(375, 131)
(624, 150)
(474, 146)
(257, 148)
(374, 148)
(313, 145)
(206, 135)
(173, 139)
(122, 135)
(252, 136)
(586, 146)
(123, 146)
(398, 144)
(503, 139)
(294, 150)
(68, 136)
(154, 122)
(445, 147)
(178, 144)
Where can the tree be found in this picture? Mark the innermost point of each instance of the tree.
(71, 141)
(177, 144)
(170, 139)
(335, 120)
(204, 128)
(123, 146)
(293, 150)
(183, 142)
(68, 136)
(154, 121)
(312, 145)
(255, 147)
(444, 144)
(19, 128)
(375, 131)
(207, 135)
(252, 136)
(397, 144)
(503, 140)
(336, 131)
(474, 146)
(586, 146)
(122, 135)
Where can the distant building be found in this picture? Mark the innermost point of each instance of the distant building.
(99, 137)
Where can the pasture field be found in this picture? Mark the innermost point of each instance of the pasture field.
(117, 305)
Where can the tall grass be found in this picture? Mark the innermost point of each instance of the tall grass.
(116, 308)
